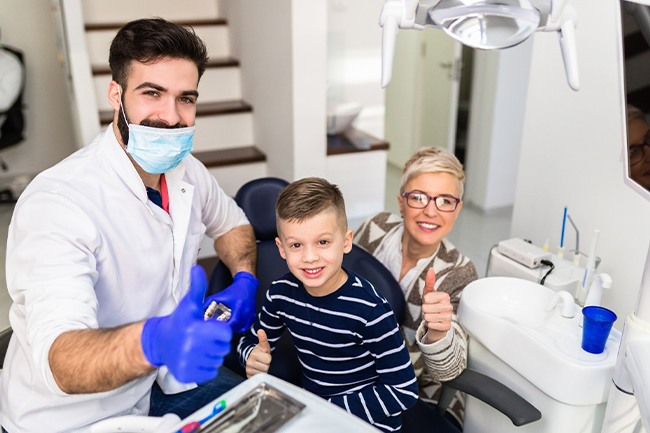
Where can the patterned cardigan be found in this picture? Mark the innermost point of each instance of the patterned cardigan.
(445, 359)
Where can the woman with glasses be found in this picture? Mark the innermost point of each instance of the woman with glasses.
(412, 246)
(638, 141)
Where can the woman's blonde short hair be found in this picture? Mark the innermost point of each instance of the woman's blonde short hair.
(433, 160)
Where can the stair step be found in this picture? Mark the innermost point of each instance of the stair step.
(224, 62)
(125, 10)
(222, 131)
(234, 167)
(221, 82)
(232, 156)
(202, 109)
(115, 26)
(213, 32)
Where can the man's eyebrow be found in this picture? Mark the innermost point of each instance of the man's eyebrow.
(150, 85)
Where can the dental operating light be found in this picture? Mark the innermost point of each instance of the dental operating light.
(482, 24)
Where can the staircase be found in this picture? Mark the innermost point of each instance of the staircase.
(285, 75)
(224, 139)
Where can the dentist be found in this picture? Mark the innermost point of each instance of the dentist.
(107, 307)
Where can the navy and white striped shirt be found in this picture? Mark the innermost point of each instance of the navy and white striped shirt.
(349, 344)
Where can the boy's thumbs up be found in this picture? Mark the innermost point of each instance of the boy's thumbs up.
(259, 360)
(263, 341)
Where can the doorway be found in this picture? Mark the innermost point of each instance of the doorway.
(428, 100)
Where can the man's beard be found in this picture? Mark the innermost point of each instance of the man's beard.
(123, 127)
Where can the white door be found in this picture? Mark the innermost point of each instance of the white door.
(422, 98)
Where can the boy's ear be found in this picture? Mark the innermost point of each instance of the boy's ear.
(280, 248)
(347, 241)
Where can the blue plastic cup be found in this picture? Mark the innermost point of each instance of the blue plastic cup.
(596, 326)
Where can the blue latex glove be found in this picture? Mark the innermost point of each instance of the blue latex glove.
(240, 298)
(192, 348)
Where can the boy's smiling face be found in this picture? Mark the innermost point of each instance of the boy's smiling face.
(314, 249)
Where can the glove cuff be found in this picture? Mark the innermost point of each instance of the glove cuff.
(245, 275)
(147, 342)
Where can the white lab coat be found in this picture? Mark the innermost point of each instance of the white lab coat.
(87, 249)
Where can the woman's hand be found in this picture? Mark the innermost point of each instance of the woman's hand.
(436, 310)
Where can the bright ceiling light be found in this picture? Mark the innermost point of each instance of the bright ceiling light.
(484, 25)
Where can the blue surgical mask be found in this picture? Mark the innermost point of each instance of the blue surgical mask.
(158, 150)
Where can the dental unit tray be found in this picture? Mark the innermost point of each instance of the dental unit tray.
(264, 409)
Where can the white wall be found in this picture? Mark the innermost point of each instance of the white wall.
(283, 56)
(354, 59)
(29, 26)
(286, 58)
(499, 83)
(571, 155)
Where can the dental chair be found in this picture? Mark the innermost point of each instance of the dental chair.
(257, 199)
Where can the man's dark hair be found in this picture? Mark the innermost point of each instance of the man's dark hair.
(152, 39)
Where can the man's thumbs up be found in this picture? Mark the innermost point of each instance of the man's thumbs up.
(192, 348)
(436, 309)
(259, 360)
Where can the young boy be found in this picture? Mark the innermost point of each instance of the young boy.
(347, 338)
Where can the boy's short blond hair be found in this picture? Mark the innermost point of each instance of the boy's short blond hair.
(433, 160)
(305, 198)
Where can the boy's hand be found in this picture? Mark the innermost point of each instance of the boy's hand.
(260, 358)
(436, 310)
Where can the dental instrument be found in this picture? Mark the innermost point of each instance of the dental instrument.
(576, 252)
(589, 270)
(595, 293)
(560, 251)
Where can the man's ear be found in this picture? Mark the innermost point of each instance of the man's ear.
(114, 93)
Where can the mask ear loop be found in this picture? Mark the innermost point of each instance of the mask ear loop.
(119, 93)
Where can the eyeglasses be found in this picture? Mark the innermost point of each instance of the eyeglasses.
(420, 200)
(636, 152)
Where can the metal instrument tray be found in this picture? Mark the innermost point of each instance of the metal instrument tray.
(264, 409)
